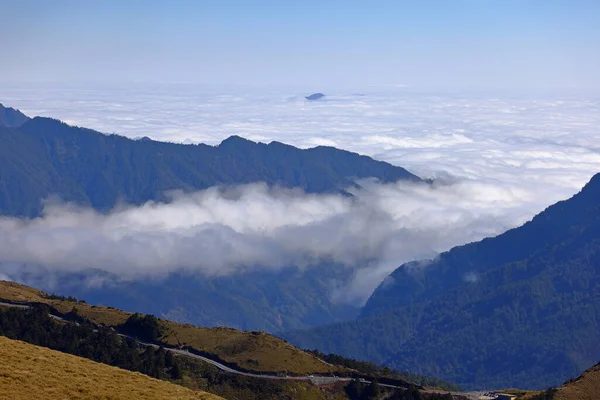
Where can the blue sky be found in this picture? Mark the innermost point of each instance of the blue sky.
(476, 44)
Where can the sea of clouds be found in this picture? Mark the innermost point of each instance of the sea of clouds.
(498, 160)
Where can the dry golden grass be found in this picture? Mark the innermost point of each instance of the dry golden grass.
(32, 372)
(101, 315)
(17, 292)
(251, 350)
(258, 352)
(585, 387)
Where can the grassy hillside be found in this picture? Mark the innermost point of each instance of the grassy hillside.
(584, 387)
(15, 292)
(35, 326)
(255, 351)
(251, 350)
(30, 371)
(99, 343)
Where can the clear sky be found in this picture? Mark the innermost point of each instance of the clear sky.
(422, 43)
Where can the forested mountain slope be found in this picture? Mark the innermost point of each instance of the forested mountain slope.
(46, 157)
(519, 310)
(574, 221)
(272, 301)
(9, 117)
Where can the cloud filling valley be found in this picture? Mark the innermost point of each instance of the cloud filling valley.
(497, 162)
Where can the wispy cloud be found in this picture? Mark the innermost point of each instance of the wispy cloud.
(219, 230)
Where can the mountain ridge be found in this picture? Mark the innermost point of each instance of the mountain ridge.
(11, 117)
(527, 316)
(546, 227)
(45, 157)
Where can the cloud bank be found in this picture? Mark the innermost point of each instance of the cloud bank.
(221, 230)
(499, 160)
(549, 139)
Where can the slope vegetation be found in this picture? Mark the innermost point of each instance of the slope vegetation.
(46, 157)
(519, 310)
(30, 372)
(92, 337)
(263, 299)
(255, 351)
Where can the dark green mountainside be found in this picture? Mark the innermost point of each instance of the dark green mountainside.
(518, 310)
(45, 157)
(272, 301)
(561, 222)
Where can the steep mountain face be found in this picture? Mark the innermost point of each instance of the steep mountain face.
(413, 282)
(11, 118)
(518, 310)
(46, 157)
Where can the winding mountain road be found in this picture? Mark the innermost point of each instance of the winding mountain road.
(317, 380)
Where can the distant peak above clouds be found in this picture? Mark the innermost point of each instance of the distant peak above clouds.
(315, 96)
(11, 118)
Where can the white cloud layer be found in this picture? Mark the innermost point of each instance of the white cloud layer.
(219, 230)
(503, 159)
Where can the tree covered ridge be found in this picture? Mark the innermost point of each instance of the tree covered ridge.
(45, 157)
(414, 282)
(529, 319)
(100, 344)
